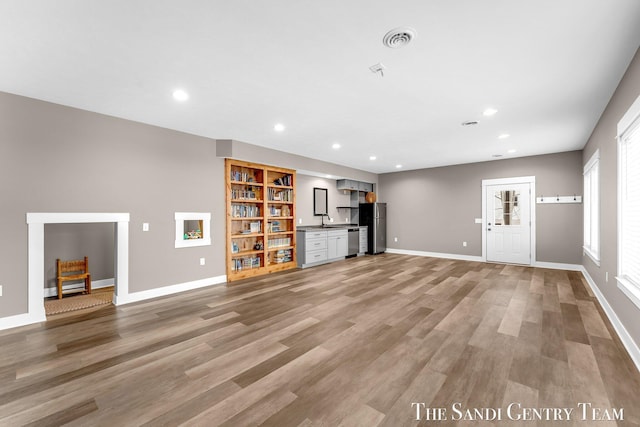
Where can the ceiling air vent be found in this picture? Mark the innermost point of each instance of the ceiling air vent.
(399, 37)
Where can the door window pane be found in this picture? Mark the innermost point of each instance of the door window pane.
(506, 207)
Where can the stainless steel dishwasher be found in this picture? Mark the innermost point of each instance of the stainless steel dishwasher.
(354, 241)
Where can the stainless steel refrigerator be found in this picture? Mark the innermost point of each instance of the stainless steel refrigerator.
(374, 216)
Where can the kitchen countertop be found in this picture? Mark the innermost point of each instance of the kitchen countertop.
(327, 227)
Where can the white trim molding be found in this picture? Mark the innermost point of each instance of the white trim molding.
(95, 284)
(629, 289)
(558, 266)
(626, 338)
(435, 255)
(591, 173)
(171, 289)
(629, 117)
(628, 122)
(17, 320)
(181, 217)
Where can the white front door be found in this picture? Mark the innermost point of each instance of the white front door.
(508, 223)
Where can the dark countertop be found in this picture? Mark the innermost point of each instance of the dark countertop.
(327, 227)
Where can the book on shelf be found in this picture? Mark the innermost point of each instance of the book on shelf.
(273, 211)
(241, 176)
(244, 211)
(245, 263)
(243, 194)
(286, 180)
(278, 195)
(283, 241)
(274, 227)
(282, 256)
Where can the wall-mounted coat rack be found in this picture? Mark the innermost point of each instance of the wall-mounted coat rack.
(559, 199)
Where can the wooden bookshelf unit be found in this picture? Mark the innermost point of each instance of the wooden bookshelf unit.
(261, 229)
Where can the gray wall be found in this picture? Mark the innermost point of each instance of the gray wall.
(304, 200)
(433, 210)
(603, 138)
(60, 159)
(75, 241)
(253, 153)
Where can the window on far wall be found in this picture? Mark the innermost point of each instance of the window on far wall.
(629, 203)
(592, 207)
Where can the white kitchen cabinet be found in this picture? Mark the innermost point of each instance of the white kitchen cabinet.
(312, 248)
(337, 244)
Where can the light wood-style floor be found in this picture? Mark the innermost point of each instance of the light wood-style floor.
(353, 343)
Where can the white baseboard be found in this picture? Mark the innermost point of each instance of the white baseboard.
(558, 266)
(18, 320)
(435, 255)
(168, 290)
(95, 284)
(623, 334)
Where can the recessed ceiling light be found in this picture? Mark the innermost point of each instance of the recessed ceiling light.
(372, 157)
(180, 95)
(336, 146)
(398, 166)
(504, 136)
(470, 123)
(279, 127)
(489, 112)
(511, 151)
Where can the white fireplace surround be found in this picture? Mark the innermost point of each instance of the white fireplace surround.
(36, 222)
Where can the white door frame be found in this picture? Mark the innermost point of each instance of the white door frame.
(531, 180)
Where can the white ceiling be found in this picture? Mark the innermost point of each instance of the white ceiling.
(548, 66)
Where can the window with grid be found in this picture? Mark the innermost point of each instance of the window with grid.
(629, 210)
(591, 204)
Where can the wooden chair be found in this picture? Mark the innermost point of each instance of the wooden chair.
(74, 270)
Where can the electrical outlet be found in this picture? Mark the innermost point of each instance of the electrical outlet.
(299, 220)
(0, 290)
(395, 239)
(145, 226)
(606, 277)
(464, 244)
(201, 261)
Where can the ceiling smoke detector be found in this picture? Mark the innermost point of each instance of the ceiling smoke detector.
(378, 68)
(398, 37)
